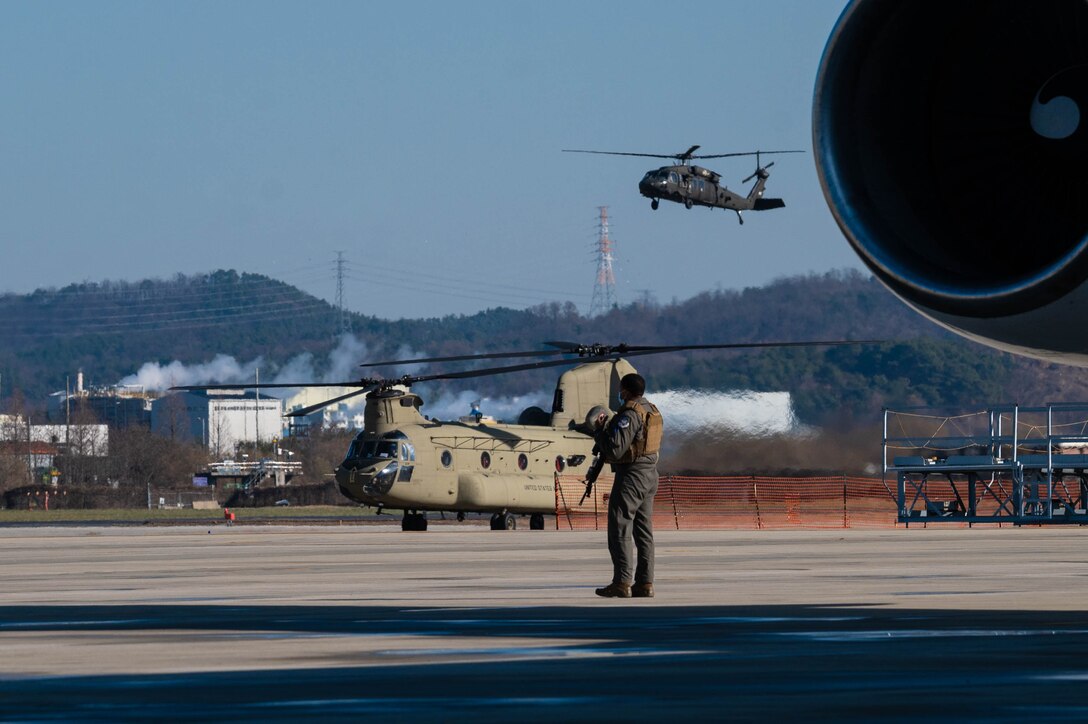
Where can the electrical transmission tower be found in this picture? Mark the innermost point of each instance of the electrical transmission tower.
(604, 289)
(343, 324)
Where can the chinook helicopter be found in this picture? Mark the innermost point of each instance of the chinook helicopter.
(404, 460)
(691, 185)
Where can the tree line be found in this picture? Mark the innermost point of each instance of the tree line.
(110, 329)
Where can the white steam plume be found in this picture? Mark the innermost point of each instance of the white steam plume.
(222, 369)
(685, 412)
(344, 361)
(752, 414)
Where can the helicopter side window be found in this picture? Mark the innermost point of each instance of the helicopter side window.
(673, 178)
(407, 452)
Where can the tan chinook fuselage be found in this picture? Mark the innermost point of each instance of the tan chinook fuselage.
(402, 459)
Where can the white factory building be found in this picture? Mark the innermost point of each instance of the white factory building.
(220, 419)
(347, 415)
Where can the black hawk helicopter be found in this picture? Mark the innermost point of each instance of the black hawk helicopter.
(693, 185)
(404, 460)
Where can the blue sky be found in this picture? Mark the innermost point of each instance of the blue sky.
(144, 139)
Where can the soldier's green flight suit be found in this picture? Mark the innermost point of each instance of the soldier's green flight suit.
(631, 502)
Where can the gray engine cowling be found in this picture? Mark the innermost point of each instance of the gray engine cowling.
(951, 140)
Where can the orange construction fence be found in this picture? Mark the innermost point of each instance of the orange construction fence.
(744, 502)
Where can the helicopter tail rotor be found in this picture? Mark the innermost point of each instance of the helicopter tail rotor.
(760, 171)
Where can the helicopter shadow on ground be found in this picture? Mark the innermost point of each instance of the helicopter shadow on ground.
(607, 659)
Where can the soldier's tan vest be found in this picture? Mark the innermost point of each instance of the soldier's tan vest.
(648, 440)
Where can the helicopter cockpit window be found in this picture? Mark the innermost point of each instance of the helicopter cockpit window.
(379, 449)
(407, 452)
(673, 178)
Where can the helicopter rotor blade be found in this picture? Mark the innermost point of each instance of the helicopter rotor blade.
(275, 385)
(745, 153)
(590, 352)
(465, 357)
(623, 350)
(587, 353)
(503, 370)
(302, 412)
(600, 353)
(644, 350)
(582, 350)
(623, 153)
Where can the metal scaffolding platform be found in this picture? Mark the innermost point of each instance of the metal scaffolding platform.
(1006, 464)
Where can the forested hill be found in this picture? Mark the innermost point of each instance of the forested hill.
(110, 329)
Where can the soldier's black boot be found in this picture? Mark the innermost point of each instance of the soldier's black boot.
(615, 590)
(642, 590)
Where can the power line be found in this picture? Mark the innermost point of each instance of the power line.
(415, 274)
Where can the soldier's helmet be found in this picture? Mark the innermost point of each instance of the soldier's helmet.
(595, 412)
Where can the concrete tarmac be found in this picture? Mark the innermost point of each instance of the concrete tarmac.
(463, 623)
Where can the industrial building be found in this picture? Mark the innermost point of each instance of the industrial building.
(117, 406)
(219, 419)
(40, 445)
(346, 415)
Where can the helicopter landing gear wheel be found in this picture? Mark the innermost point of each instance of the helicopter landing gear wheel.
(460, 516)
(414, 521)
(503, 521)
(654, 204)
(536, 521)
(687, 203)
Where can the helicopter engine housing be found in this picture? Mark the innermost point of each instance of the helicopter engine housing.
(579, 389)
(951, 143)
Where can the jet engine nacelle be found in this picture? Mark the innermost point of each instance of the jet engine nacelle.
(951, 140)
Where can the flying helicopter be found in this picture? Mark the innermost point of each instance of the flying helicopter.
(405, 460)
(691, 185)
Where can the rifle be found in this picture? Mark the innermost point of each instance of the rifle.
(592, 473)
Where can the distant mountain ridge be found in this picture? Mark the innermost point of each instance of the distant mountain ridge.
(110, 329)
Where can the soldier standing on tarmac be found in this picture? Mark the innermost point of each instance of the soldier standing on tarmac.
(630, 442)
